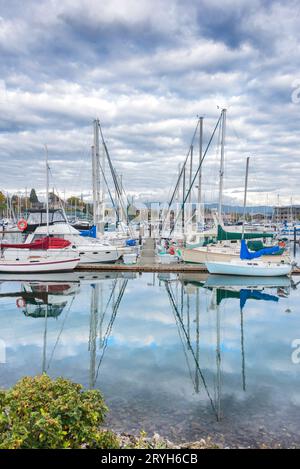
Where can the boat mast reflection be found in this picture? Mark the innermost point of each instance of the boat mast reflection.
(222, 288)
(183, 332)
(46, 299)
(97, 317)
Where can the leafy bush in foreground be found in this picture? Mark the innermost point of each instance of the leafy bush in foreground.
(40, 412)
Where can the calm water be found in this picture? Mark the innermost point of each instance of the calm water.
(178, 355)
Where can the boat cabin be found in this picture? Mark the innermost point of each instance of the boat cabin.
(38, 217)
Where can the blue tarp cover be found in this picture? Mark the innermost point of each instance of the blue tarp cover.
(130, 242)
(92, 233)
(246, 254)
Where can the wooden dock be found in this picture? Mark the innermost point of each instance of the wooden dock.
(152, 267)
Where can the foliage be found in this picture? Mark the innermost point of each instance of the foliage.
(73, 200)
(2, 198)
(39, 412)
(33, 197)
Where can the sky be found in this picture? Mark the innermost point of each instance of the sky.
(147, 70)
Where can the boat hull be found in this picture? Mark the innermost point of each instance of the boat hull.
(98, 256)
(249, 269)
(203, 255)
(43, 265)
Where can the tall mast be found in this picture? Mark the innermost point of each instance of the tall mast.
(47, 190)
(183, 201)
(121, 195)
(97, 198)
(94, 185)
(177, 199)
(199, 201)
(191, 172)
(101, 184)
(222, 163)
(245, 196)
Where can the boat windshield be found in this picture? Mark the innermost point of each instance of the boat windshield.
(40, 218)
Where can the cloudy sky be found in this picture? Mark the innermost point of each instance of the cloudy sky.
(147, 69)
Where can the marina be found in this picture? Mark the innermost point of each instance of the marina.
(149, 229)
(161, 312)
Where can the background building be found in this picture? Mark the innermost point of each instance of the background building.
(286, 213)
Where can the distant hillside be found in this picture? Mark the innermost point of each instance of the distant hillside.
(264, 209)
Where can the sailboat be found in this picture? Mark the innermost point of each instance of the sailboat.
(43, 255)
(227, 248)
(249, 268)
(215, 244)
(247, 265)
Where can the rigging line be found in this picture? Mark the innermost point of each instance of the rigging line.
(213, 177)
(180, 333)
(190, 346)
(114, 175)
(109, 300)
(181, 172)
(185, 351)
(109, 191)
(110, 324)
(117, 187)
(113, 172)
(60, 332)
(196, 174)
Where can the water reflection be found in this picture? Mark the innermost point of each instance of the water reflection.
(51, 295)
(98, 313)
(185, 355)
(222, 288)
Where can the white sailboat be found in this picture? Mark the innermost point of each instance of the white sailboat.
(248, 265)
(47, 255)
(249, 268)
(223, 252)
(217, 244)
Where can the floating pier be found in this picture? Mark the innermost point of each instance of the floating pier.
(144, 267)
(147, 266)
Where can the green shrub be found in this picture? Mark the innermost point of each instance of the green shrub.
(40, 412)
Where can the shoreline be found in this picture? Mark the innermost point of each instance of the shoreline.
(143, 441)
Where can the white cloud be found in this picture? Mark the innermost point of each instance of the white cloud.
(147, 69)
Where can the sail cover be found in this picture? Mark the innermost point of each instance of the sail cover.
(246, 254)
(224, 235)
(43, 243)
(91, 233)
